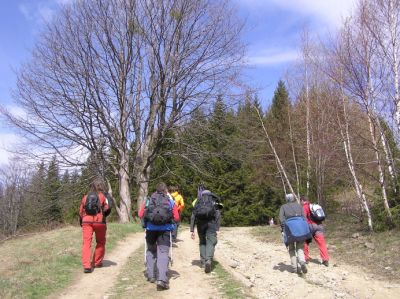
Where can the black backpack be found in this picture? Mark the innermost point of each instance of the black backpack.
(158, 209)
(92, 204)
(204, 207)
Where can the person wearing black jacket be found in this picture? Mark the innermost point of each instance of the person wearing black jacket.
(207, 228)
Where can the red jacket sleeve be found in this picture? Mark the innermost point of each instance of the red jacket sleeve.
(141, 210)
(307, 212)
(175, 213)
(81, 207)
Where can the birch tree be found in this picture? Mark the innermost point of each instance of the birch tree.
(363, 75)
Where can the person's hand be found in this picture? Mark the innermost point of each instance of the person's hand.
(192, 235)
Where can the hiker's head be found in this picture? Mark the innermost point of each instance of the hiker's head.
(173, 188)
(161, 187)
(303, 199)
(289, 197)
(98, 185)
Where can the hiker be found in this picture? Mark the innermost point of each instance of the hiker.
(207, 215)
(295, 231)
(159, 214)
(94, 209)
(317, 231)
(179, 202)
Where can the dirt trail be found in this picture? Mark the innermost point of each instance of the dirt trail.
(187, 280)
(265, 268)
(96, 284)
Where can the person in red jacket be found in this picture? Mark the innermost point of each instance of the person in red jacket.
(94, 222)
(317, 230)
(159, 215)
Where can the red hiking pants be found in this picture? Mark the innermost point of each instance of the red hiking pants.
(99, 230)
(323, 250)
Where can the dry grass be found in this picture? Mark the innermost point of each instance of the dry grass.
(38, 265)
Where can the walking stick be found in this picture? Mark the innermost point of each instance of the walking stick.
(170, 248)
(145, 248)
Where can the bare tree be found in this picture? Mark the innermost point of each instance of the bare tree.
(281, 169)
(111, 77)
(306, 62)
(363, 75)
(13, 182)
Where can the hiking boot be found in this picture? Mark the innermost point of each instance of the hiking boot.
(161, 285)
(151, 280)
(298, 270)
(207, 266)
(304, 268)
(325, 263)
(87, 270)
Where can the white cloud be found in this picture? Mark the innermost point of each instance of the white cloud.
(64, 2)
(7, 140)
(329, 12)
(272, 57)
(39, 12)
(26, 11)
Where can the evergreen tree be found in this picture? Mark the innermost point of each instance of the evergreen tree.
(52, 188)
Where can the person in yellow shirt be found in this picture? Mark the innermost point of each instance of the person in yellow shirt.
(180, 203)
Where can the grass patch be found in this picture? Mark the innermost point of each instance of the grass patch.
(39, 265)
(379, 249)
(228, 285)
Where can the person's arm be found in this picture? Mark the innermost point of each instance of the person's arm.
(81, 210)
(181, 203)
(106, 206)
(282, 217)
(141, 210)
(175, 212)
(217, 220)
(192, 224)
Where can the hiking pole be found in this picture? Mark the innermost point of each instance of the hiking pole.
(145, 248)
(170, 248)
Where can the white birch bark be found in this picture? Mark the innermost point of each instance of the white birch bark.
(350, 163)
(281, 169)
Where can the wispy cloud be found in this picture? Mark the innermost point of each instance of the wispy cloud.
(269, 57)
(7, 141)
(328, 12)
(40, 12)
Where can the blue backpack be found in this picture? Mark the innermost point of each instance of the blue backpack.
(296, 230)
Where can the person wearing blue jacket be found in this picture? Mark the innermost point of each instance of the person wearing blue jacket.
(159, 215)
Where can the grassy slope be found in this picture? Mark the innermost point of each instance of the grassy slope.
(383, 259)
(38, 265)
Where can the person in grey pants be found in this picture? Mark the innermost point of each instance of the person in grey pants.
(293, 209)
(158, 235)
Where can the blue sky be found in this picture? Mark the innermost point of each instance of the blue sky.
(272, 36)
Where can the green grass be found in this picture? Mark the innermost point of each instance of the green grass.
(228, 285)
(41, 264)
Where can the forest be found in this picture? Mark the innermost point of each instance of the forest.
(138, 95)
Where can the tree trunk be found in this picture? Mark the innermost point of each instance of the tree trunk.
(281, 169)
(124, 190)
(379, 165)
(350, 163)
